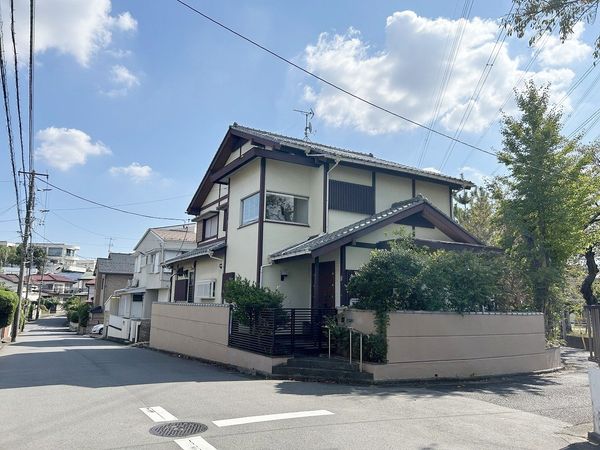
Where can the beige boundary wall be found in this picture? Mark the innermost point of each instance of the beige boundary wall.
(428, 345)
(201, 331)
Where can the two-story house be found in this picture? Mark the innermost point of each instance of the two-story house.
(301, 217)
(130, 307)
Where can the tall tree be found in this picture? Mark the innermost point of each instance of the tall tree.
(592, 230)
(548, 196)
(546, 16)
(476, 214)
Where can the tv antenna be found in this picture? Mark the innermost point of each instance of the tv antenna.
(308, 115)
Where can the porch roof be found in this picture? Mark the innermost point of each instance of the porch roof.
(324, 243)
(201, 250)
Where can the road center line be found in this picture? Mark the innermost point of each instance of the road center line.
(158, 414)
(194, 443)
(269, 417)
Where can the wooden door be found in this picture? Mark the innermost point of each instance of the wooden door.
(326, 286)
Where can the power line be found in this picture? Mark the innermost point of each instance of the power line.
(31, 85)
(87, 230)
(147, 216)
(329, 83)
(124, 204)
(17, 86)
(485, 73)
(11, 148)
(460, 31)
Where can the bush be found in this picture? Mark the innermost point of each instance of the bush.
(8, 303)
(73, 316)
(83, 313)
(249, 300)
(374, 345)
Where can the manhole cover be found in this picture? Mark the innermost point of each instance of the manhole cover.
(178, 429)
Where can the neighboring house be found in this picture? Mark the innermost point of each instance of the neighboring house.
(150, 282)
(10, 281)
(112, 274)
(302, 217)
(63, 257)
(91, 290)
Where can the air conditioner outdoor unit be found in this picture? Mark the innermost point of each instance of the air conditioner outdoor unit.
(205, 289)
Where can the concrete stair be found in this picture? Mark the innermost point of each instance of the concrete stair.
(322, 369)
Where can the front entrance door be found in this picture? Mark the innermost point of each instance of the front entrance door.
(326, 285)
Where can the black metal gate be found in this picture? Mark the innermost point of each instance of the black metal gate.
(281, 332)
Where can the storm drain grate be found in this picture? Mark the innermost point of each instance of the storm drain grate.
(178, 429)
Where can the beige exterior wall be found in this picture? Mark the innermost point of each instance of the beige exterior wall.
(208, 269)
(437, 194)
(390, 189)
(356, 257)
(351, 175)
(201, 331)
(296, 286)
(242, 242)
(286, 178)
(450, 345)
(340, 219)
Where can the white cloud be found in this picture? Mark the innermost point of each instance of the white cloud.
(63, 148)
(123, 80)
(79, 28)
(137, 172)
(474, 175)
(431, 169)
(405, 75)
(556, 53)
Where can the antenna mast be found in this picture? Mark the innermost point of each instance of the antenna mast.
(308, 115)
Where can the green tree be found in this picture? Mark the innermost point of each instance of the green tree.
(546, 16)
(547, 197)
(7, 256)
(477, 214)
(38, 260)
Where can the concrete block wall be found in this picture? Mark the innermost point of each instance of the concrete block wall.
(202, 331)
(428, 345)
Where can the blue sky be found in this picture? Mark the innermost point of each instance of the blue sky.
(133, 97)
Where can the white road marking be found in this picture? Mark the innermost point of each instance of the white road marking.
(269, 417)
(158, 414)
(194, 443)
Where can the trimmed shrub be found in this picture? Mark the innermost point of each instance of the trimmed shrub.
(249, 300)
(83, 313)
(8, 303)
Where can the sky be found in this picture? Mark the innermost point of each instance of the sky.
(133, 97)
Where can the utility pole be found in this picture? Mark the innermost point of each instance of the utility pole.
(24, 247)
(37, 312)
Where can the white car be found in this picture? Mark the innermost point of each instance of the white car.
(98, 329)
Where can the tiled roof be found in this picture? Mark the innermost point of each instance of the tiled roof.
(345, 154)
(316, 242)
(176, 234)
(51, 277)
(11, 277)
(198, 251)
(116, 263)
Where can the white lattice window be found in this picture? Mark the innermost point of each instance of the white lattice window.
(205, 290)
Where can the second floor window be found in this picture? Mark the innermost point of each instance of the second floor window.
(250, 207)
(286, 208)
(210, 227)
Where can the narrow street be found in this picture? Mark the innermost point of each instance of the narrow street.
(63, 391)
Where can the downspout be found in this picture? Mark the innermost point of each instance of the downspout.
(221, 266)
(337, 161)
(260, 282)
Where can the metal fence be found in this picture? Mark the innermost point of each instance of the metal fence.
(281, 332)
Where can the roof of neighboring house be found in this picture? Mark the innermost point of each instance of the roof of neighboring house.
(173, 233)
(10, 277)
(116, 263)
(345, 154)
(198, 251)
(320, 244)
(91, 282)
(51, 277)
(299, 149)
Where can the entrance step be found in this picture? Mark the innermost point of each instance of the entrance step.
(322, 369)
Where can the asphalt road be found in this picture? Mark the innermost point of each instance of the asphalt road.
(63, 391)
